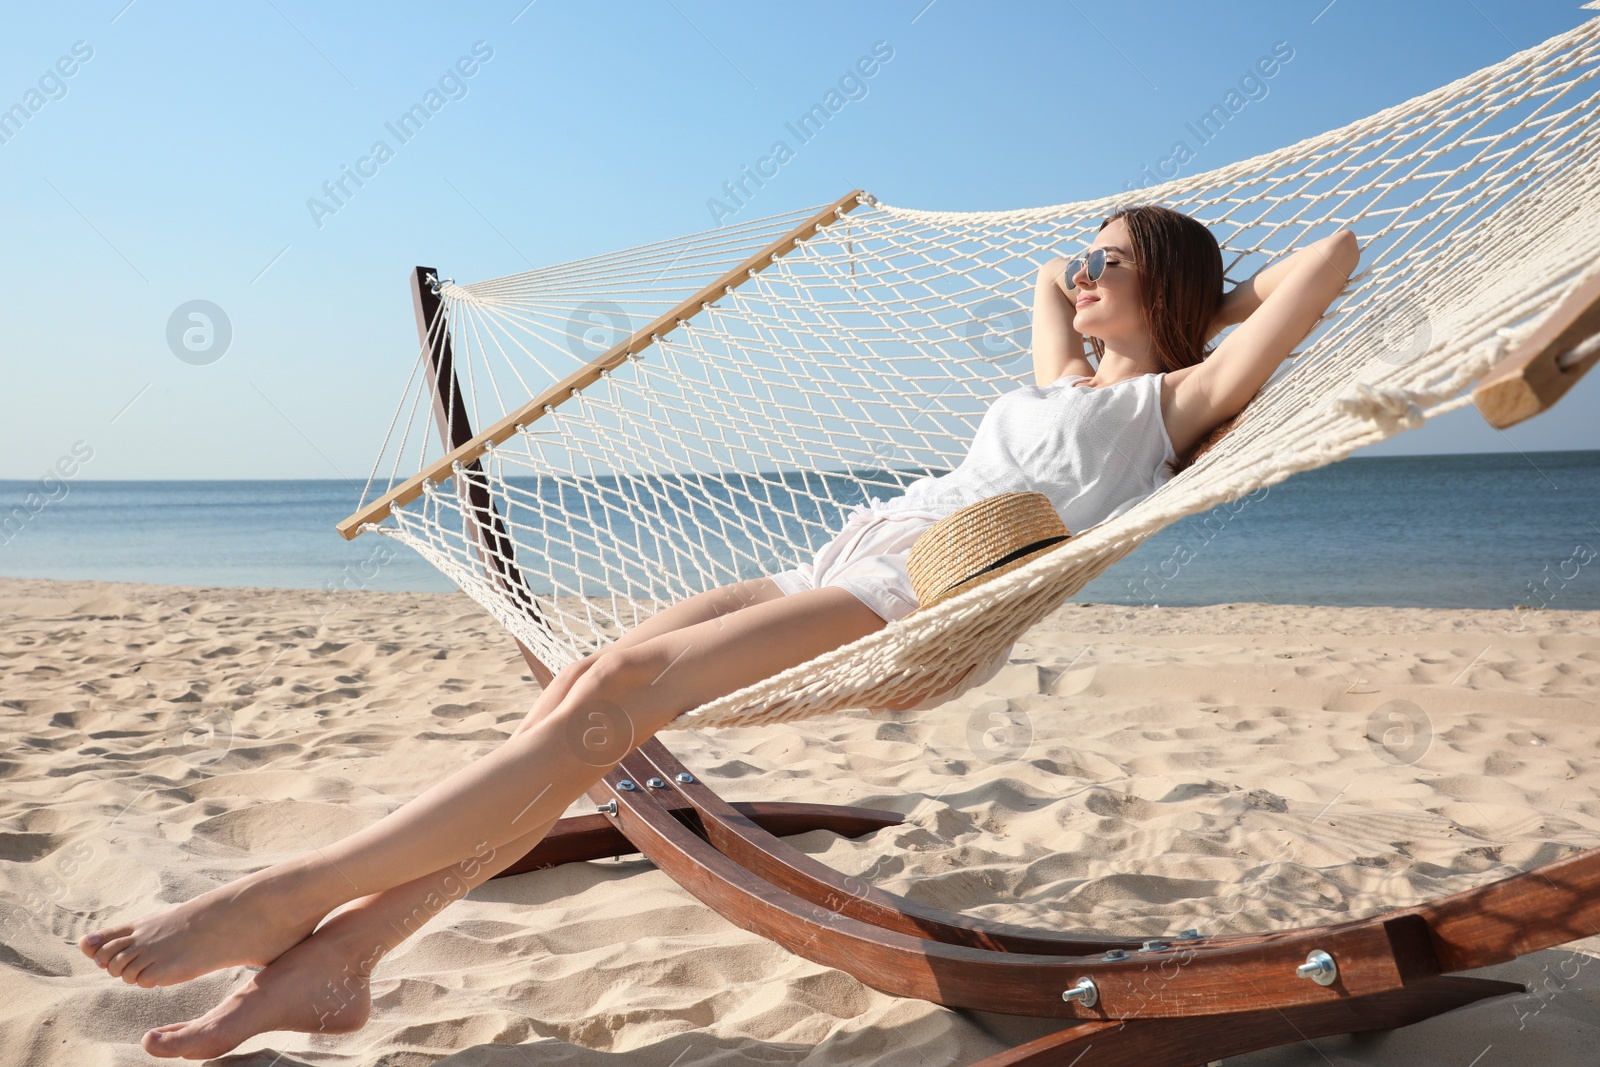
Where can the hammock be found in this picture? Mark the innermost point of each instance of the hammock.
(708, 408)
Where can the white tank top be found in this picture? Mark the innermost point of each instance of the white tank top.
(1095, 452)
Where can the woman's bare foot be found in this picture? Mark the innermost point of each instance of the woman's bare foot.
(320, 986)
(250, 921)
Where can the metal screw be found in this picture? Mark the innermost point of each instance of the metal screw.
(1319, 967)
(1116, 954)
(608, 808)
(1152, 946)
(685, 778)
(626, 786)
(1084, 992)
(1189, 935)
(656, 783)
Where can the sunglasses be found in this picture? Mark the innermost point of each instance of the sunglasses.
(1096, 260)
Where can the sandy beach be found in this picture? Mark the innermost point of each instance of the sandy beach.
(1234, 768)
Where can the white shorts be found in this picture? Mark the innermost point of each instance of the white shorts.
(868, 557)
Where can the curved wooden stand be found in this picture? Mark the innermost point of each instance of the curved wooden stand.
(1183, 1000)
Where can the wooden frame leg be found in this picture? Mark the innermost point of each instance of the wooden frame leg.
(1186, 1042)
(593, 837)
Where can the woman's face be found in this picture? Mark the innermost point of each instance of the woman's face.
(1109, 307)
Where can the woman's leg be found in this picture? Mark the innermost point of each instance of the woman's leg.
(322, 984)
(712, 604)
(106, 947)
(613, 706)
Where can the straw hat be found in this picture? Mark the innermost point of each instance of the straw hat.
(980, 542)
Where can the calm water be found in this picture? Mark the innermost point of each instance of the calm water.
(1487, 531)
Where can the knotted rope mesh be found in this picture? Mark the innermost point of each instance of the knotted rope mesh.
(734, 444)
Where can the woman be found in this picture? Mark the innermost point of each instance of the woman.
(1149, 295)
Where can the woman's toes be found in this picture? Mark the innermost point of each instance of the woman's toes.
(144, 972)
(217, 1032)
(110, 947)
(134, 971)
(95, 940)
(165, 1041)
(119, 963)
(195, 1039)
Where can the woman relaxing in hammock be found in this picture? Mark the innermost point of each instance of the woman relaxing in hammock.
(1148, 293)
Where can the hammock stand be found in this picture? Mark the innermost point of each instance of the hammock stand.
(1187, 999)
(1442, 178)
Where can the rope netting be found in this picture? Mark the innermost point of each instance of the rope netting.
(735, 444)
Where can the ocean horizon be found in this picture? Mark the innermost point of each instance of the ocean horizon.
(1483, 530)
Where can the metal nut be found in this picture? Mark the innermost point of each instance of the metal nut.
(1083, 992)
(626, 785)
(655, 783)
(1319, 967)
(685, 778)
(1116, 954)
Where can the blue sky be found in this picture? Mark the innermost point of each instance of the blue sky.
(176, 162)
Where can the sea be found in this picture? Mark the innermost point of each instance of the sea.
(1490, 530)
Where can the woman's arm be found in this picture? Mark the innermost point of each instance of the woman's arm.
(1240, 302)
(1057, 347)
(1275, 310)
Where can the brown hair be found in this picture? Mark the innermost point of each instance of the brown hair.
(1180, 282)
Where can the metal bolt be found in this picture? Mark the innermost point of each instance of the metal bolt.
(1319, 967)
(608, 808)
(1189, 935)
(1116, 954)
(656, 783)
(1084, 992)
(685, 778)
(626, 786)
(1152, 946)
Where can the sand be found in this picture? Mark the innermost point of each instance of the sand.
(1132, 771)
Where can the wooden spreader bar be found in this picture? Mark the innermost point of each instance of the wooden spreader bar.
(1547, 364)
(1124, 1002)
(474, 446)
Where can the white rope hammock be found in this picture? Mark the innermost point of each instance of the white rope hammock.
(732, 445)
